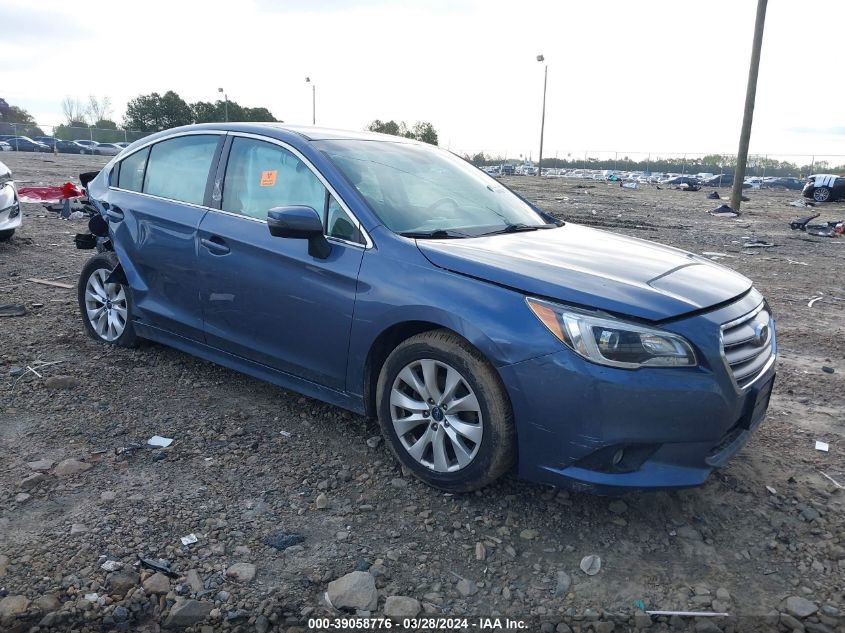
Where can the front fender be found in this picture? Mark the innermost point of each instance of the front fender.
(397, 284)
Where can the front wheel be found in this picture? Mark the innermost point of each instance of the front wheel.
(444, 412)
(105, 306)
(6, 235)
(821, 194)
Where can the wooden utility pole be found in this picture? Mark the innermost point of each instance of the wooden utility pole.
(748, 115)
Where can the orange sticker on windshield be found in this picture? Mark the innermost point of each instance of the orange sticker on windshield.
(268, 178)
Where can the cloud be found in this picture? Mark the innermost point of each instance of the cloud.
(832, 130)
(32, 26)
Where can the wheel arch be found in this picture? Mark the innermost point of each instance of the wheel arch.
(390, 337)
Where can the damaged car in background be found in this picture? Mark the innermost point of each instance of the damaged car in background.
(396, 280)
(824, 187)
(10, 207)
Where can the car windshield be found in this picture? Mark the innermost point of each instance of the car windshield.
(422, 191)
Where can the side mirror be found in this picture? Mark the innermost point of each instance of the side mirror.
(302, 223)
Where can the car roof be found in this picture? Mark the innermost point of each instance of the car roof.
(308, 132)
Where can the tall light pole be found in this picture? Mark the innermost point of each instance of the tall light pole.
(748, 114)
(313, 100)
(541, 59)
(225, 104)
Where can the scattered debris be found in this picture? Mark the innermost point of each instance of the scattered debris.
(714, 195)
(827, 369)
(631, 185)
(12, 310)
(757, 243)
(801, 223)
(129, 448)
(826, 229)
(831, 479)
(801, 204)
(285, 433)
(111, 565)
(724, 211)
(691, 614)
(591, 565)
(824, 447)
(159, 442)
(48, 282)
(189, 540)
(283, 540)
(158, 565)
(771, 490)
(813, 300)
(53, 194)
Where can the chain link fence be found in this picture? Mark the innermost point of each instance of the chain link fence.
(72, 133)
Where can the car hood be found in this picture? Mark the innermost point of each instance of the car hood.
(592, 268)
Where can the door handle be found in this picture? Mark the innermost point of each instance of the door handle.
(215, 245)
(114, 213)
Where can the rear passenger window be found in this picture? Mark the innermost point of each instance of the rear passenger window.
(260, 176)
(131, 174)
(178, 168)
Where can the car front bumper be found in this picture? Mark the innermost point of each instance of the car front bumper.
(671, 426)
(10, 208)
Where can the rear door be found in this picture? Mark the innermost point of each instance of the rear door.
(265, 298)
(158, 197)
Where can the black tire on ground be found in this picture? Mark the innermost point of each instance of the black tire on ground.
(497, 451)
(821, 194)
(105, 261)
(6, 235)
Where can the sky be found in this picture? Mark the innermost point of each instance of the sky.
(651, 76)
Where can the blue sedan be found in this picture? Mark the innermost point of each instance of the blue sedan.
(398, 281)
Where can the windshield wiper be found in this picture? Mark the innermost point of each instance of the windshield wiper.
(520, 227)
(436, 234)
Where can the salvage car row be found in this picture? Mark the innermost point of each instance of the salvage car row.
(49, 144)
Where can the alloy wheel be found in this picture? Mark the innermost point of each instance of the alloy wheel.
(105, 305)
(436, 415)
(821, 194)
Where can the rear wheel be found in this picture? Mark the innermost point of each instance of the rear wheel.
(105, 306)
(444, 412)
(821, 194)
(6, 235)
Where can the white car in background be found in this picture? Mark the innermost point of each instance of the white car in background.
(10, 208)
(107, 149)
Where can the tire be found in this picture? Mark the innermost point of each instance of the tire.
(821, 194)
(6, 235)
(469, 459)
(95, 296)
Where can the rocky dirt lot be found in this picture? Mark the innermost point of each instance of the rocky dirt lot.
(286, 495)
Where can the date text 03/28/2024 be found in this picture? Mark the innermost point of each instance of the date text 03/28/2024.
(416, 624)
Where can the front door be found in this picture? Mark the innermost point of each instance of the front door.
(265, 298)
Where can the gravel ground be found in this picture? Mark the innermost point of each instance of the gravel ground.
(254, 469)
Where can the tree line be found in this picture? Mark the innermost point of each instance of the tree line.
(711, 163)
(154, 112)
(422, 130)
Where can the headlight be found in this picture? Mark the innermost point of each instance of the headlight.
(612, 342)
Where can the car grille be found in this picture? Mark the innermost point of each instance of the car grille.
(748, 344)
